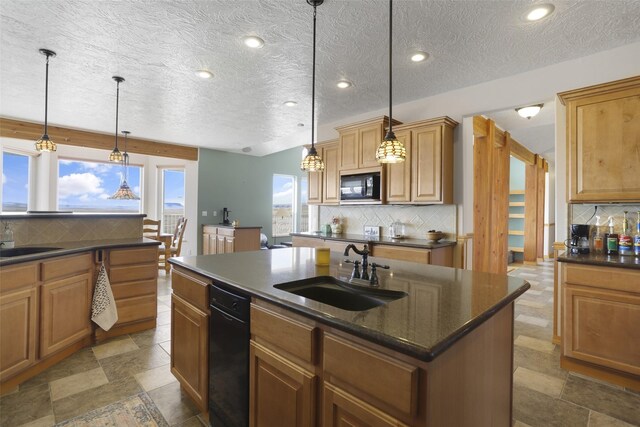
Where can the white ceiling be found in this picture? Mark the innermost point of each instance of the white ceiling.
(156, 45)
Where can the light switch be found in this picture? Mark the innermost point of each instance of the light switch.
(204, 213)
(215, 213)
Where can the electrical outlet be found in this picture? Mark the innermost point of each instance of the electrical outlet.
(215, 213)
(204, 213)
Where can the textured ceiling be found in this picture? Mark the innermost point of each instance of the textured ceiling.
(157, 45)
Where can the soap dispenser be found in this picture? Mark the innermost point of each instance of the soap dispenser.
(598, 239)
(7, 237)
(612, 239)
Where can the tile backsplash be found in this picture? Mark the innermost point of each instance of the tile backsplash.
(580, 214)
(417, 219)
(37, 231)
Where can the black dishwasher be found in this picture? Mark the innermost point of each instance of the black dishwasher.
(228, 359)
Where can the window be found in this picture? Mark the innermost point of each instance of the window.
(173, 191)
(284, 205)
(303, 225)
(85, 186)
(15, 182)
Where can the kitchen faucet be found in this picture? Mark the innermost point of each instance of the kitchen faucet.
(365, 254)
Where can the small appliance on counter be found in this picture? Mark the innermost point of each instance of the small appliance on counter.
(225, 216)
(579, 241)
(396, 230)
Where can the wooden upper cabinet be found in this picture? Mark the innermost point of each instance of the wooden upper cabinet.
(370, 138)
(316, 180)
(331, 175)
(360, 141)
(399, 174)
(603, 142)
(349, 149)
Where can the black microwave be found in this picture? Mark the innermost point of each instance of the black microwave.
(360, 188)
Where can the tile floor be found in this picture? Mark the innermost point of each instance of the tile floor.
(138, 364)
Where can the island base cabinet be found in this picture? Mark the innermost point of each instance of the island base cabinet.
(190, 350)
(281, 392)
(342, 409)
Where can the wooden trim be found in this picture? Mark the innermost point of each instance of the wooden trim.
(557, 248)
(516, 203)
(29, 131)
(522, 153)
(479, 126)
(599, 89)
(516, 215)
(516, 192)
(116, 331)
(374, 121)
(601, 373)
(516, 249)
(516, 232)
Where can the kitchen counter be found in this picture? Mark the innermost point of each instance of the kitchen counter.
(626, 261)
(443, 304)
(63, 214)
(382, 240)
(68, 248)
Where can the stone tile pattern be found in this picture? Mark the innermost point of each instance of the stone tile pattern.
(137, 365)
(36, 231)
(417, 219)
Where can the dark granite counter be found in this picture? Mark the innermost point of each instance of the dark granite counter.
(381, 240)
(230, 226)
(442, 306)
(626, 261)
(67, 248)
(57, 214)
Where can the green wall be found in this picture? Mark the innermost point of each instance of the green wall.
(243, 184)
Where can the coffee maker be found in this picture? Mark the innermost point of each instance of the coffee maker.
(579, 242)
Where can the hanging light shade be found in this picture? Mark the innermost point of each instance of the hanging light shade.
(45, 143)
(391, 150)
(116, 155)
(313, 162)
(124, 192)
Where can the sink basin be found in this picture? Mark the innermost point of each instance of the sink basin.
(25, 250)
(341, 294)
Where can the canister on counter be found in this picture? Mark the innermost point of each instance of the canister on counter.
(323, 256)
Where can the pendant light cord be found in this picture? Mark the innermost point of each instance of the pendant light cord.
(390, 72)
(313, 79)
(46, 95)
(117, 102)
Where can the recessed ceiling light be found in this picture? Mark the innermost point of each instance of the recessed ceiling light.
(300, 124)
(254, 42)
(419, 56)
(246, 150)
(343, 84)
(529, 111)
(204, 74)
(540, 11)
(290, 103)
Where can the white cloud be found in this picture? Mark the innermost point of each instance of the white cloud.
(283, 197)
(103, 196)
(4, 178)
(79, 184)
(136, 189)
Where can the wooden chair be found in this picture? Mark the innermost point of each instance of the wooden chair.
(175, 248)
(151, 228)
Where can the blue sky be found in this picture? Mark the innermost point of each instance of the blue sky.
(15, 178)
(174, 186)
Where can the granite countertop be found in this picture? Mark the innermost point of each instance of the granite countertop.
(63, 214)
(230, 226)
(67, 248)
(626, 261)
(381, 240)
(442, 306)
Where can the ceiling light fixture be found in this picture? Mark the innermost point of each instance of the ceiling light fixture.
(529, 111)
(343, 84)
(253, 42)
(419, 56)
(125, 192)
(391, 150)
(312, 162)
(540, 11)
(44, 143)
(204, 74)
(116, 155)
(290, 103)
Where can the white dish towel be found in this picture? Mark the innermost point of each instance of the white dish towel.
(103, 308)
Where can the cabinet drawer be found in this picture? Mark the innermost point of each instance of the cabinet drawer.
(402, 253)
(136, 308)
(290, 335)
(222, 231)
(371, 374)
(622, 279)
(18, 276)
(133, 256)
(208, 229)
(193, 289)
(133, 273)
(66, 266)
(134, 289)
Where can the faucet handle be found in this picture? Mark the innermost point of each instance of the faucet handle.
(374, 265)
(355, 274)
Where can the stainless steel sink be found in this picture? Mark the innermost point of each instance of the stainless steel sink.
(341, 294)
(24, 250)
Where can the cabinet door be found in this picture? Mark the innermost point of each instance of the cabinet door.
(220, 244)
(349, 148)
(205, 244)
(426, 164)
(213, 244)
(601, 327)
(281, 393)
(342, 409)
(399, 174)
(229, 245)
(190, 350)
(314, 181)
(603, 147)
(331, 190)
(18, 319)
(369, 138)
(65, 312)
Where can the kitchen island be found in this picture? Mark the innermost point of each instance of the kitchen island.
(439, 355)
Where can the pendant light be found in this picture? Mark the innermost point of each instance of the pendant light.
(125, 192)
(116, 155)
(313, 162)
(391, 150)
(44, 143)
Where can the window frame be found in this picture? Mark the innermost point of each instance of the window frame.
(160, 193)
(31, 178)
(294, 204)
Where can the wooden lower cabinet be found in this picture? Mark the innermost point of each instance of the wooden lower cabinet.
(18, 321)
(225, 240)
(280, 392)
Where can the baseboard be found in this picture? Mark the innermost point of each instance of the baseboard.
(101, 335)
(612, 376)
